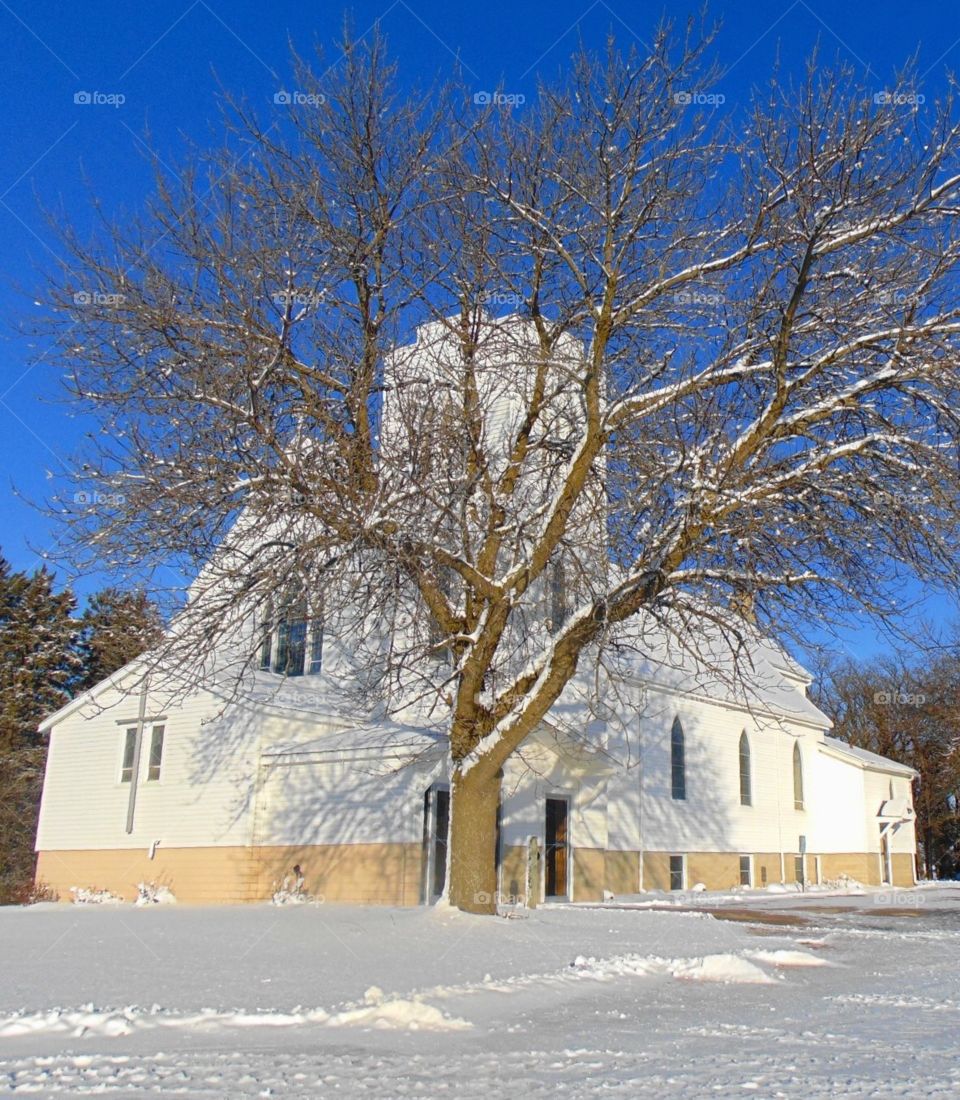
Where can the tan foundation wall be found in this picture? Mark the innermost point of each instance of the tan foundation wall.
(513, 874)
(903, 869)
(622, 872)
(656, 871)
(721, 870)
(863, 866)
(391, 874)
(206, 875)
(594, 871)
(362, 874)
(716, 870)
(589, 872)
(768, 862)
(365, 874)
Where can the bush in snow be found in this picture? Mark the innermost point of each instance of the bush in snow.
(843, 882)
(84, 895)
(150, 893)
(291, 891)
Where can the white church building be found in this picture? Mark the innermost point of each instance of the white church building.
(677, 778)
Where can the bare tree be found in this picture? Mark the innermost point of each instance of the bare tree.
(727, 379)
(907, 708)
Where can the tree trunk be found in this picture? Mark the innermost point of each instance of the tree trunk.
(473, 841)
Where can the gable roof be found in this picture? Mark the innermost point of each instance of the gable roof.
(378, 740)
(755, 674)
(79, 701)
(866, 759)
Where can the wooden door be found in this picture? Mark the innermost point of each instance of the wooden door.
(441, 825)
(556, 843)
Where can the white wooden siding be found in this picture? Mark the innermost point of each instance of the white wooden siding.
(711, 818)
(202, 797)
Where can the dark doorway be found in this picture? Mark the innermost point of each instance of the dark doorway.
(556, 844)
(441, 826)
(436, 825)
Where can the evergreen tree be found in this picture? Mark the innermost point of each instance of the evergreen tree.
(39, 663)
(39, 670)
(908, 709)
(116, 627)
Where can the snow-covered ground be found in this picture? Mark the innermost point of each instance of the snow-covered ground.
(772, 995)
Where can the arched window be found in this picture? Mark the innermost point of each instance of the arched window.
(678, 767)
(291, 640)
(746, 794)
(797, 777)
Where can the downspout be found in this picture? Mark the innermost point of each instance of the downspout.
(640, 769)
(783, 865)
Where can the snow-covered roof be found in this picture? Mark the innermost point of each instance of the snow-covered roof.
(376, 738)
(756, 674)
(865, 758)
(895, 809)
(135, 667)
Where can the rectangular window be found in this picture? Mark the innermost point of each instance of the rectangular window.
(676, 872)
(316, 648)
(266, 647)
(678, 785)
(129, 750)
(746, 873)
(798, 868)
(156, 753)
(291, 647)
(678, 773)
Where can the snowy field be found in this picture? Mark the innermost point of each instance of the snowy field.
(770, 995)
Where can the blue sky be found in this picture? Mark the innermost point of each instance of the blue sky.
(168, 60)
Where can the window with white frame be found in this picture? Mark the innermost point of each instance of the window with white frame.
(291, 641)
(678, 766)
(129, 752)
(746, 871)
(676, 872)
(746, 784)
(156, 754)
